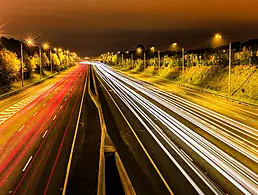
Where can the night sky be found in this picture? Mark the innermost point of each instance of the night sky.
(92, 27)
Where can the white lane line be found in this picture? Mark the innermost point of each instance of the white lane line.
(46, 95)
(21, 128)
(27, 164)
(35, 114)
(44, 104)
(60, 107)
(186, 155)
(65, 99)
(44, 134)
(240, 117)
(54, 118)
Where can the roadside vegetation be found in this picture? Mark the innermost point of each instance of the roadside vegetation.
(204, 69)
(10, 64)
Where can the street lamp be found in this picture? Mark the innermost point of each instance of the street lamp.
(139, 51)
(47, 47)
(29, 42)
(218, 36)
(175, 47)
(153, 50)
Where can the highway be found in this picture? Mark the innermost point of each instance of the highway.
(193, 148)
(36, 129)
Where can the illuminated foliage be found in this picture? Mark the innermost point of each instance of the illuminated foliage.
(9, 67)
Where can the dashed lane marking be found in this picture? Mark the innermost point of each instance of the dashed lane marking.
(21, 128)
(27, 164)
(44, 134)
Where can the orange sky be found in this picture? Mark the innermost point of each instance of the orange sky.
(58, 19)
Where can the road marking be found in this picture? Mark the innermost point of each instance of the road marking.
(139, 141)
(21, 128)
(35, 114)
(65, 99)
(45, 134)
(46, 95)
(60, 107)
(74, 139)
(54, 118)
(186, 155)
(44, 104)
(27, 164)
(240, 117)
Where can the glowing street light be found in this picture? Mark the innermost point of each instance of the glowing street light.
(60, 50)
(45, 46)
(139, 50)
(218, 36)
(29, 42)
(153, 50)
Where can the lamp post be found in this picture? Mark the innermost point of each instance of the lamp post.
(132, 59)
(22, 76)
(46, 47)
(218, 36)
(183, 65)
(175, 48)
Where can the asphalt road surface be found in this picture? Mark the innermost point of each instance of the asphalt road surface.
(36, 130)
(194, 147)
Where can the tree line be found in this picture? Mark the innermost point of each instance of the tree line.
(242, 54)
(10, 62)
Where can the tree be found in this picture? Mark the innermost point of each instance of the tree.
(56, 62)
(9, 68)
(45, 61)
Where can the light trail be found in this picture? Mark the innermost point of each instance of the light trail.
(237, 135)
(11, 157)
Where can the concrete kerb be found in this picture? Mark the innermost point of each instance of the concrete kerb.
(124, 178)
(101, 190)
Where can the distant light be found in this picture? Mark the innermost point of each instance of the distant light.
(218, 36)
(174, 44)
(152, 49)
(45, 46)
(60, 50)
(139, 50)
(30, 42)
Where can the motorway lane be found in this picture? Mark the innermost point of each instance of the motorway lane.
(44, 118)
(11, 100)
(140, 107)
